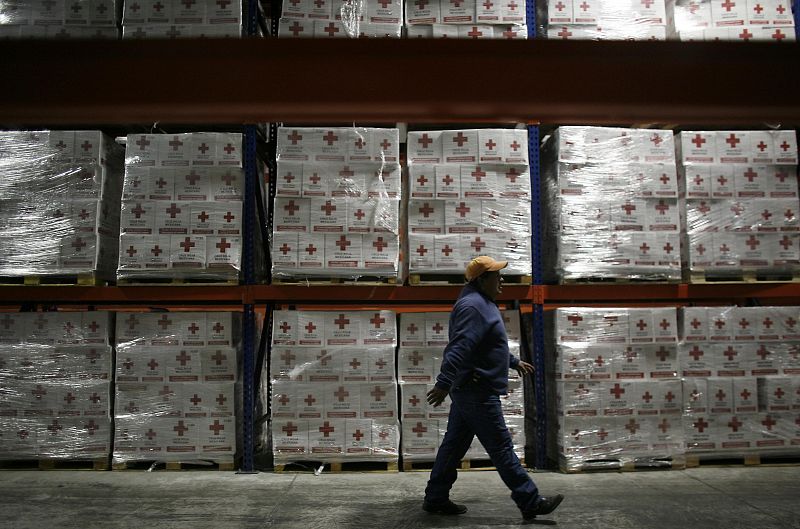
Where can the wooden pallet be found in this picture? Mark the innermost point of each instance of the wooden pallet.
(432, 279)
(175, 281)
(81, 280)
(616, 280)
(626, 464)
(226, 465)
(704, 277)
(335, 281)
(722, 459)
(338, 466)
(466, 464)
(55, 464)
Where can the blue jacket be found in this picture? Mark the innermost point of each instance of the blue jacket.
(477, 345)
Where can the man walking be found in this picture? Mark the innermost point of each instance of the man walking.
(474, 373)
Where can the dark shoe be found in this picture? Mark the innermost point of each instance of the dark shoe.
(447, 507)
(543, 506)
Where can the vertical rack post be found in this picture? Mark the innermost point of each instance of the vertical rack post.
(538, 308)
(796, 10)
(248, 262)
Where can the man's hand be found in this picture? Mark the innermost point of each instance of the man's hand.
(524, 368)
(436, 396)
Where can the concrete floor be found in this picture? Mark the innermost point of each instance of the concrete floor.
(752, 498)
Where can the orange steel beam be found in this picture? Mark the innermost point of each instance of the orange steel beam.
(315, 80)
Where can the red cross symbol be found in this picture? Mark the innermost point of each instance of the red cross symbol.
(55, 427)
(574, 319)
(196, 399)
(323, 358)
(142, 142)
(380, 363)
(138, 211)
(310, 400)
(745, 394)
(763, 352)
(460, 138)
(698, 180)
(377, 320)
(647, 397)
(700, 425)
(385, 143)
(326, 429)
(187, 244)
(474, 33)
(419, 429)
(599, 360)
(704, 207)
(750, 174)
(602, 434)
(785, 146)
(478, 174)
(341, 321)
(644, 248)
(564, 33)
(330, 137)
(731, 140)
(447, 250)
(780, 9)
(310, 249)
(223, 245)
(414, 400)
(720, 395)
(216, 427)
(289, 177)
(180, 428)
(69, 398)
(424, 139)
(514, 145)
(734, 424)
(343, 243)
(512, 6)
(294, 137)
(490, 144)
(285, 249)
(780, 35)
(512, 175)
(219, 357)
(341, 393)
(84, 214)
(560, 6)
(355, 363)
(378, 393)
(131, 251)
(696, 353)
(296, 29)
(328, 208)
(287, 357)
(462, 209)
(173, 210)
(310, 327)
(698, 140)
(289, 429)
(438, 328)
(655, 138)
(193, 328)
(785, 242)
(164, 322)
(152, 364)
(730, 352)
(664, 324)
(745, 35)
(68, 327)
(183, 358)
(203, 216)
(380, 244)
(769, 422)
(421, 250)
(642, 325)
(766, 214)
(723, 249)
(426, 210)
(664, 178)
(416, 357)
(779, 393)
(585, 6)
(629, 208)
(229, 149)
(752, 242)
(617, 391)
(78, 243)
(632, 426)
(291, 207)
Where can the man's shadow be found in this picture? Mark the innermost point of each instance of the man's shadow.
(410, 514)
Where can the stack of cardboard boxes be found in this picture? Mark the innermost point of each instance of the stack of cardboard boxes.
(605, 19)
(176, 392)
(423, 337)
(337, 203)
(59, 19)
(469, 195)
(182, 206)
(59, 203)
(611, 197)
(466, 19)
(334, 390)
(55, 381)
(756, 20)
(148, 19)
(341, 18)
(741, 202)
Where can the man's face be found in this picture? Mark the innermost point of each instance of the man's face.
(492, 284)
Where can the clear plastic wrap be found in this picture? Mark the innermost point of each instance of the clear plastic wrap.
(611, 202)
(55, 380)
(59, 203)
(614, 380)
(177, 397)
(60, 19)
(341, 19)
(741, 380)
(174, 20)
(423, 337)
(333, 391)
(692, 20)
(466, 20)
(603, 19)
(741, 208)
(469, 194)
(182, 207)
(337, 200)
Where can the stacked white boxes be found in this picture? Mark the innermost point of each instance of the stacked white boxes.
(176, 392)
(469, 194)
(741, 380)
(182, 207)
(741, 201)
(337, 199)
(55, 382)
(59, 203)
(616, 387)
(505, 19)
(611, 198)
(751, 20)
(341, 19)
(334, 390)
(160, 19)
(604, 19)
(423, 337)
(59, 19)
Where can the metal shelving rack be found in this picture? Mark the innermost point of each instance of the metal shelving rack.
(683, 85)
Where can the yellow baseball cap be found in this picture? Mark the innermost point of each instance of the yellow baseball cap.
(482, 264)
